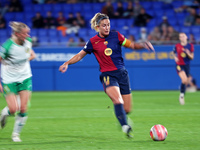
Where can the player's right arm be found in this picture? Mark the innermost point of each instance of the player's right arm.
(73, 60)
(174, 54)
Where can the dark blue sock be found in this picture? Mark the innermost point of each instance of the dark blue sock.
(120, 114)
(182, 88)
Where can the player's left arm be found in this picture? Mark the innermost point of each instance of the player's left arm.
(190, 53)
(32, 56)
(133, 45)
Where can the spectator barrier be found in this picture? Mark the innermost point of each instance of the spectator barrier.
(147, 71)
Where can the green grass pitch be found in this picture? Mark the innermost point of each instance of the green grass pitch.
(85, 121)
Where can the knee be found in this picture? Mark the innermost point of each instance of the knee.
(12, 110)
(23, 109)
(184, 81)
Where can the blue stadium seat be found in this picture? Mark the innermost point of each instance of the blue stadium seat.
(87, 7)
(63, 39)
(34, 32)
(134, 31)
(177, 28)
(88, 15)
(83, 32)
(37, 8)
(42, 32)
(47, 7)
(3, 32)
(173, 21)
(43, 39)
(185, 30)
(57, 7)
(157, 6)
(77, 7)
(195, 29)
(146, 5)
(177, 4)
(67, 7)
(28, 8)
(98, 7)
(123, 32)
(54, 40)
(52, 33)
(19, 17)
(26, 2)
(9, 17)
(121, 23)
(91, 33)
(129, 22)
(151, 23)
(113, 23)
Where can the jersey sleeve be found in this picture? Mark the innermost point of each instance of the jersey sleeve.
(174, 49)
(2, 52)
(88, 48)
(5, 48)
(121, 38)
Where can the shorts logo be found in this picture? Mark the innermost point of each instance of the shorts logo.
(6, 89)
(108, 51)
(183, 55)
(106, 80)
(178, 68)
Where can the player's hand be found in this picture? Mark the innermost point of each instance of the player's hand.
(187, 51)
(176, 59)
(63, 68)
(147, 45)
(1, 88)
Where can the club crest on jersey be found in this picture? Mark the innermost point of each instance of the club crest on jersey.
(105, 43)
(183, 55)
(108, 51)
(27, 50)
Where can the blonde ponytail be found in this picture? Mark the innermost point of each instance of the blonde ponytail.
(95, 21)
(17, 26)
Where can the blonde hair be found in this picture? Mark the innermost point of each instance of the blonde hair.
(95, 21)
(17, 26)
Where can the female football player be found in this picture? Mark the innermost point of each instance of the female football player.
(16, 75)
(106, 46)
(183, 54)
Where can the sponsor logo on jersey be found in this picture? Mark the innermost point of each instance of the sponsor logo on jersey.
(105, 43)
(108, 51)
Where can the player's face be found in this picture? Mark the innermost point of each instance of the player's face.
(104, 28)
(182, 37)
(23, 34)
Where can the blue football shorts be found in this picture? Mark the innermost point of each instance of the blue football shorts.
(185, 68)
(118, 78)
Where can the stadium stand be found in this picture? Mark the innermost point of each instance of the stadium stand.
(157, 9)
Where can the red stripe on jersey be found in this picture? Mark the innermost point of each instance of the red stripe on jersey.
(105, 62)
(121, 38)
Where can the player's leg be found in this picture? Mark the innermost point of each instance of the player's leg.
(21, 118)
(114, 93)
(10, 109)
(184, 81)
(127, 98)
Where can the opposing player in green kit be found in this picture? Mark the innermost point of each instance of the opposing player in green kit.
(16, 76)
